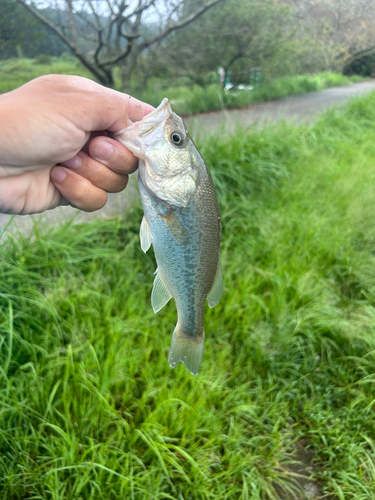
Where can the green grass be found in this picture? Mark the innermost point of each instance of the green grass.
(89, 408)
(187, 99)
(16, 72)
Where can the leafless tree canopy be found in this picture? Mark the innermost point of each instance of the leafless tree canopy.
(102, 33)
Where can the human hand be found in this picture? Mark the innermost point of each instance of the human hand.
(53, 147)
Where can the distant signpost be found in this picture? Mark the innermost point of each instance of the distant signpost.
(255, 77)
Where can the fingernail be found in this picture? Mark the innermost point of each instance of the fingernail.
(103, 150)
(74, 162)
(58, 175)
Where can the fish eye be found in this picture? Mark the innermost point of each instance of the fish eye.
(177, 138)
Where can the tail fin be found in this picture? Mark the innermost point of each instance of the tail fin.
(186, 349)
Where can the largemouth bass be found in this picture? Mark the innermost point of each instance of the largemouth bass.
(182, 222)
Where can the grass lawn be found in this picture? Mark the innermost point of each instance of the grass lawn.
(89, 408)
(186, 98)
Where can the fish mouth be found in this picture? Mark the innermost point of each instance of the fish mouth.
(134, 135)
(150, 121)
(159, 114)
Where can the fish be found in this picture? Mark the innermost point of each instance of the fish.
(182, 222)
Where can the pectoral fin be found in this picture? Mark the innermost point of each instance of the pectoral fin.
(160, 295)
(216, 291)
(176, 228)
(145, 235)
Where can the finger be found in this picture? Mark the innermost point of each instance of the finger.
(92, 136)
(99, 108)
(98, 174)
(136, 109)
(113, 154)
(111, 110)
(79, 192)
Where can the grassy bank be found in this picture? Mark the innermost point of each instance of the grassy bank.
(188, 101)
(186, 98)
(89, 407)
(16, 72)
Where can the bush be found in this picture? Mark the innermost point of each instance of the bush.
(43, 59)
(194, 99)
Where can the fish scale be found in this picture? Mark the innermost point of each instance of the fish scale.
(182, 222)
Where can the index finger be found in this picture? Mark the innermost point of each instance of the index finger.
(105, 109)
(137, 109)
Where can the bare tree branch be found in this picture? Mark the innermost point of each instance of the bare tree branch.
(72, 22)
(115, 20)
(124, 54)
(95, 14)
(174, 10)
(100, 73)
(89, 23)
(99, 47)
(116, 33)
(178, 26)
(110, 7)
(140, 9)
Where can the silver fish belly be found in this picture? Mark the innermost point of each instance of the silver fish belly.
(182, 222)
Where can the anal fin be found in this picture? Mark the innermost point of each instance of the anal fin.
(216, 291)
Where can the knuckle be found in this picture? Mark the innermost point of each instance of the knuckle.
(116, 103)
(97, 201)
(48, 80)
(83, 193)
(89, 197)
(124, 162)
(119, 184)
(100, 177)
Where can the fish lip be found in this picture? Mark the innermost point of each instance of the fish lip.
(164, 103)
(150, 118)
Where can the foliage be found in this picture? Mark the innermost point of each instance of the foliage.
(16, 72)
(234, 35)
(361, 65)
(144, 40)
(43, 59)
(15, 27)
(101, 35)
(89, 407)
(197, 99)
(187, 99)
(21, 34)
(341, 31)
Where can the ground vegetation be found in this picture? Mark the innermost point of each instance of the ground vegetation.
(89, 407)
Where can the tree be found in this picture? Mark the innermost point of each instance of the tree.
(15, 27)
(344, 28)
(235, 36)
(101, 34)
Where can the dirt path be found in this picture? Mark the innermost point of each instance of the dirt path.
(298, 108)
